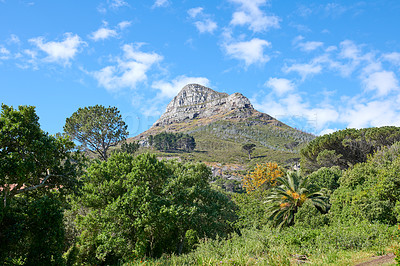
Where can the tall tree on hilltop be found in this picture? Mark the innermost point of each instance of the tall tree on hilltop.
(97, 128)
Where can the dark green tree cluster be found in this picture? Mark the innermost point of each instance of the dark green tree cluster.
(345, 148)
(173, 141)
(138, 206)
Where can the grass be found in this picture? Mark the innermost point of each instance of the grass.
(270, 247)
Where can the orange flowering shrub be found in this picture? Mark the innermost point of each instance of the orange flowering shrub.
(263, 175)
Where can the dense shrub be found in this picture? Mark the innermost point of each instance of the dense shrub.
(139, 206)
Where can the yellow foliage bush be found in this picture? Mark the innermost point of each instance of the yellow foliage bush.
(263, 176)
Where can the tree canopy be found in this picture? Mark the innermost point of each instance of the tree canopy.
(36, 172)
(345, 148)
(249, 147)
(97, 128)
(31, 159)
(137, 206)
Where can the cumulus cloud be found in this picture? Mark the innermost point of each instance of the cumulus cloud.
(160, 3)
(393, 58)
(304, 70)
(292, 107)
(204, 23)
(124, 24)
(206, 26)
(4, 53)
(373, 113)
(194, 12)
(13, 39)
(60, 52)
(280, 85)
(310, 46)
(249, 13)
(171, 88)
(129, 70)
(251, 52)
(115, 4)
(103, 34)
(382, 82)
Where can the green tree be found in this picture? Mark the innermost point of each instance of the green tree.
(97, 128)
(30, 159)
(370, 190)
(36, 170)
(249, 148)
(130, 148)
(285, 200)
(345, 148)
(186, 143)
(139, 206)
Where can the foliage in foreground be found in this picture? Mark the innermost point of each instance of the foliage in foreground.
(320, 245)
(36, 172)
(371, 190)
(138, 206)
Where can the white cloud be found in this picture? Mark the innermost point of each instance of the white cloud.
(171, 89)
(393, 58)
(280, 86)
(131, 69)
(103, 34)
(304, 70)
(374, 113)
(194, 12)
(124, 24)
(310, 46)
(160, 3)
(60, 52)
(350, 50)
(249, 13)
(115, 4)
(292, 107)
(251, 52)
(4, 53)
(206, 26)
(13, 39)
(383, 82)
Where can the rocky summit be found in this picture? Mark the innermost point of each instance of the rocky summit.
(196, 102)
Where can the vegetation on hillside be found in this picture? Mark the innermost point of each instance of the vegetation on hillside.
(137, 209)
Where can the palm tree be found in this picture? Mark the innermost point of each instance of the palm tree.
(284, 200)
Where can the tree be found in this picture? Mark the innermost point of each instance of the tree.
(345, 148)
(97, 128)
(186, 143)
(370, 190)
(130, 148)
(140, 206)
(262, 177)
(30, 159)
(36, 170)
(285, 200)
(249, 148)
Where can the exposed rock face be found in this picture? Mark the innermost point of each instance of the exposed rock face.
(196, 101)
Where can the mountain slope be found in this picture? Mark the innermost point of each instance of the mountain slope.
(221, 124)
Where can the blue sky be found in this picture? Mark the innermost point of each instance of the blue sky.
(316, 65)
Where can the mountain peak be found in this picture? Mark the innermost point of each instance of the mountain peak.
(197, 101)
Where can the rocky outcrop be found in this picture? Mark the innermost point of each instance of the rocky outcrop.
(196, 101)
